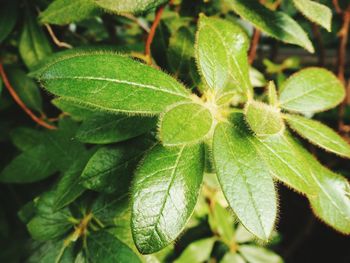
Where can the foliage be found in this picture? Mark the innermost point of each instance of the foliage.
(137, 156)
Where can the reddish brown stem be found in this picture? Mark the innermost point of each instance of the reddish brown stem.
(341, 61)
(254, 45)
(337, 6)
(152, 32)
(18, 100)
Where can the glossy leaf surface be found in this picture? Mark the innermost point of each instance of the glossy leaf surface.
(316, 12)
(275, 23)
(185, 123)
(164, 194)
(62, 12)
(311, 90)
(245, 179)
(128, 6)
(221, 51)
(319, 134)
(115, 83)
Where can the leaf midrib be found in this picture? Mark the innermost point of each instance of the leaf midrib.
(118, 81)
(155, 225)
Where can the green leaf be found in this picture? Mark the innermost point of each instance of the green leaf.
(25, 138)
(129, 6)
(76, 111)
(105, 248)
(319, 134)
(316, 12)
(185, 123)
(221, 222)
(257, 78)
(30, 166)
(272, 94)
(114, 83)
(164, 194)
(105, 128)
(69, 186)
(245, 180)
(53, 251)
(287, 162)
(49, 224)
(62, 12)
(111, 168)
(255, 254)
(242, 235)
(197, 252)
(221, 52)
(263, 119)
(285, 158)
(33, 44)
(311, 90)
(54, 151)
(232, 257)
(331, 203)
(8, 17)
(26, 89)
(181, 51)
(275, 23)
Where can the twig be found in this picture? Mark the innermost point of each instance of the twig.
(254, 45)
(137, 21)
(55, 39)
(18, 100)
(337, 6)
(152, 33)
(341, 61)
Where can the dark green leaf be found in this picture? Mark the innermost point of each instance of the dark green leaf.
(245, 179)
(69, 186)
(53, 251)
(114, 83)
(62, 12)
(33, 44)
(105, 248)
(111, 168)
(221, 52)
(25, 138)
(275, 23)
(111, 128)
(129, 6)
(181, 51)
(8, 17)
(164, 194)
(25, 88)
(48, 224)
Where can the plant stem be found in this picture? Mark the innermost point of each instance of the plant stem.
(341, 61)
(55, 39)
(18, 100)
(152, 32)
(254, 45)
